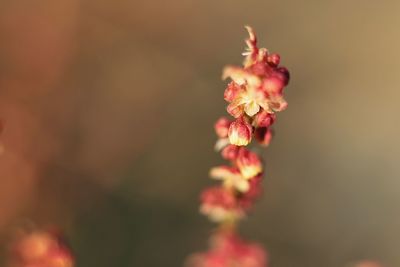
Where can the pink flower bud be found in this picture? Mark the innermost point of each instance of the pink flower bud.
(231, 178)
(255, 189)
(283, 74)
(231, 91)
(240, 132)
(222, 127)
(218, 196)
(248, 163)
(263, 135)
(274, 59)
(230, 152)
(273, 85)
(246, 200)
(235, 109)
(278, 104)
(264, 119)
(219, 204)
(260, 69)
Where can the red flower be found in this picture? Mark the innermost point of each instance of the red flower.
(248, 163)
(231, 91)
(240, 132)
(274, 59)
(247, 199)
(231, 177)
(220, 204)
(264, 119)
(230, 152)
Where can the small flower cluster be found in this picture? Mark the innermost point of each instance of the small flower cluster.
(255, 95)
(41, 249)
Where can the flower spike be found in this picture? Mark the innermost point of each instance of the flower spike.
(254, 96)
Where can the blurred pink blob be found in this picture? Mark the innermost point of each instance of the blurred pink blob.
(41, 248)
(368, 263)
(227, 250)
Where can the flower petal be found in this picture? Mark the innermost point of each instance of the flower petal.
(251, 108)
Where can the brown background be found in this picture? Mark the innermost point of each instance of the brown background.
(109, 105)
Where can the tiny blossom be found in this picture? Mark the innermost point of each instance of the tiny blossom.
(221, 144)
(220, 204)
(240, 132)
(248, 99)
(254, 96)
(274, 59)
(263, 135)
(231, 91)
(231, 177)
(222, 127)
(230, 152)
(246, 200)
(248, 163)
(264, 119)
(283, 74)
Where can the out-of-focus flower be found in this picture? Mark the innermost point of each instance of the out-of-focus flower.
(231, 91)
(41, 249)
(240, 132)
(247, 199)
(231, 177)
(263, 135)
(274, 59)
(283, 74)
(264, 119)
(222, 127)
(228, 250)
(220, 204)
(221, 144)
(248, 163)
(230, 152)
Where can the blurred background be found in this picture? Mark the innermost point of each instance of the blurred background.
(108, 111)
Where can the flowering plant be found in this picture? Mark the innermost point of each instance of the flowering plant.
(255, 95)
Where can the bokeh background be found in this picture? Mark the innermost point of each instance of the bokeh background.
(108, 109)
